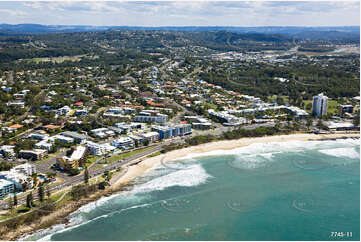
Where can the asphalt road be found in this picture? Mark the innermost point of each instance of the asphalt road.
(72, 180)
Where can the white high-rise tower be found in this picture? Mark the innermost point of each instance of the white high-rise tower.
(319, 105)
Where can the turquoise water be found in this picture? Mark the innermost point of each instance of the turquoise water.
(273, 191)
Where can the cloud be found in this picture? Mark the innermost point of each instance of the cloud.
(157, 13)
(15, 13)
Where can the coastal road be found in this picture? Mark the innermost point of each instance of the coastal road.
(73, 180)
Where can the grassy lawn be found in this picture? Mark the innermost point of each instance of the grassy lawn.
(48, 157)
(23, 209)
(274, 97)
(91, 159)
(155, 154)
(125, 155)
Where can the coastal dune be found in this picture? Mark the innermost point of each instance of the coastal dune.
(139, 169)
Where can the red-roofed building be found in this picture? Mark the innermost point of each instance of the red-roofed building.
(151, 103)
(16, 126)
(184, 101)
(78, 104)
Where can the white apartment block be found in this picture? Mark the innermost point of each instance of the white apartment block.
(319, 105)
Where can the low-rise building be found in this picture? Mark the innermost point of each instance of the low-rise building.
(44, 144)
(170, 131)
(342, 109)
(6, 187)
(26, 169)
(137, 139)
(79, 138)
(35, 154)
(99, 149)
(148, 118)
(18, 104)
(12, 128)
(7, 150)
(226, 118)
(18, 179)
(81, 112)
(150, 136)
(202, 126)
(63, 111)
(37, 136)
(75, 160)
(123, 143)
(63, 139)
(101, 132)
(339, 126)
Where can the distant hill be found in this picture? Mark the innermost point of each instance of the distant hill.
(314, 33)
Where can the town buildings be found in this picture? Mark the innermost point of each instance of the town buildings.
(149, 118)
(6, 187)
(35, 154)
(170, 131)
(75, 160)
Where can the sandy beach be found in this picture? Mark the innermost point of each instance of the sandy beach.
(142, 167)
(131, 172)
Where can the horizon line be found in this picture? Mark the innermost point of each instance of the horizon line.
(164, 26)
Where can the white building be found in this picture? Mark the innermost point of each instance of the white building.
(26, 169)
(99, 149)
(147, 117)
(7, 150)
(319, 105)
(78, 153)
(151, 136)
(63, 139)
(44, 144)
(63, 111)
(226, 118)
(37, 136)
(123, 142)
(6, 187)
(115, 110)
(100, 133)
(16, 178)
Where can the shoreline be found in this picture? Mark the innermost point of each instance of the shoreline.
(202, 149)
(133, 171)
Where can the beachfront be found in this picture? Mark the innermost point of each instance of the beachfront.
(133, 171)
(198, 150)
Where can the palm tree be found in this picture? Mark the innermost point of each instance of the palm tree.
(15, 199)
(86, 175)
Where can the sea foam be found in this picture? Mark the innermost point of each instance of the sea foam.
(194, 175)
(267, 150)
(342, 152)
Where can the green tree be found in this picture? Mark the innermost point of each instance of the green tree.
(10, 204)
(136, 143)
(146, 142)
(29, 200)
(48, 193)
(356, 119)
(41, 192)
(320, 124)
(15, 200)
(86, 175)
(309, 122)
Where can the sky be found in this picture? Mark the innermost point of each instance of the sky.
(182, 13)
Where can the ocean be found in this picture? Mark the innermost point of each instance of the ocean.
(272, 191)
